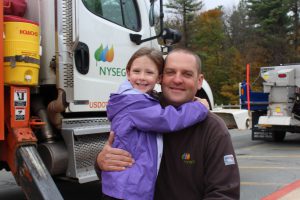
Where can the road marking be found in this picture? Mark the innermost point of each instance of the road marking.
(254, 146)
(286, 191)
(271, 146)
(263, 184)
(269, 156)
(269, 167)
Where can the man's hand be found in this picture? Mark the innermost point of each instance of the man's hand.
(113, 159)
(203, 101)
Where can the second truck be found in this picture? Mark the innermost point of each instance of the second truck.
(276, 110)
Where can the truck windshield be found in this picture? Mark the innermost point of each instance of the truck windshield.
(124, 13)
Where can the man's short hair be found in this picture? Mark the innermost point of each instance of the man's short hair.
(187, 51)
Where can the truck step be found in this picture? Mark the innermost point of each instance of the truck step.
(84, 139)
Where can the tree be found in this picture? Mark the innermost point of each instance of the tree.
(236, 27)
(208, 40)
(270, 22)
(186, 10)
(294, 35)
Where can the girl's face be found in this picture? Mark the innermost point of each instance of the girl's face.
(143, 74)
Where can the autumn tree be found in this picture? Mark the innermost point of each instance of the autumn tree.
(208, 41)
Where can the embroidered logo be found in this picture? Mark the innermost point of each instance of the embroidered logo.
(186, 158)
(229, 160)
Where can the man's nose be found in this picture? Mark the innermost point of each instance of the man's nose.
(178, 78)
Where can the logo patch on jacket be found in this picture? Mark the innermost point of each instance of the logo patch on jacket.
(229, 160)
(186, 157)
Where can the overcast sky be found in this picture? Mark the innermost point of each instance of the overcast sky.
(210, 4)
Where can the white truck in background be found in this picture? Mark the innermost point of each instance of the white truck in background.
(234, 118)
(281, 112)
(57, 125)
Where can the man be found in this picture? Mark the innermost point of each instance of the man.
(198, 162)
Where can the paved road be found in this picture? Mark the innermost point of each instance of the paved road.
(264, 166)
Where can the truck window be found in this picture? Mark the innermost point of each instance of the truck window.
(121, 12)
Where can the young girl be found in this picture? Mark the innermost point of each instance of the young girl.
(136, 118)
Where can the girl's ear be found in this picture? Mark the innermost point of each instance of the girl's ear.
(128, 74)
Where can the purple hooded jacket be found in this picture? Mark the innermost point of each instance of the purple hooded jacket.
(136, 118)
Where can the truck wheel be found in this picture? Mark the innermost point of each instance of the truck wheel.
(278, 136)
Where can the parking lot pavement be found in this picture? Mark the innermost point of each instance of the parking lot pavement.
(289, 192)
(268, 169)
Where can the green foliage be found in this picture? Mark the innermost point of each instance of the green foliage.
(208, 40)
(270, 24)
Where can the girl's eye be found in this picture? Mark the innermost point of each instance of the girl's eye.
(150, 72)
(136, 70)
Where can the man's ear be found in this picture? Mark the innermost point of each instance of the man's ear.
(200, 81)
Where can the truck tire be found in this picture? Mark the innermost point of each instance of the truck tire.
(278, 136)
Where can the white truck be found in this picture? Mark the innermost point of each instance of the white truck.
(234, 118)
(57, 125)
(281, 112)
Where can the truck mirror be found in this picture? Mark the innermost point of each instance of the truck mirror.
(170, 36)
(154, 13)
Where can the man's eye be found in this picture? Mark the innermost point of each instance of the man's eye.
(188, 74)
(168, 72)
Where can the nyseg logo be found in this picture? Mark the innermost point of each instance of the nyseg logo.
(104, 55)
(108, 69)
(186, 158)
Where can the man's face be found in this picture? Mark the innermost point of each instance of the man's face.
(180, 78)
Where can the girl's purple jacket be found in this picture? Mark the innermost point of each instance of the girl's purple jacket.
(136, 118)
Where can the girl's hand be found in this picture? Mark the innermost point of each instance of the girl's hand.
(203, 101)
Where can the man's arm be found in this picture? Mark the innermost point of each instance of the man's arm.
(222, 174)
(113, 159)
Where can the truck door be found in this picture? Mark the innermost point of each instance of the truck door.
(102, 28)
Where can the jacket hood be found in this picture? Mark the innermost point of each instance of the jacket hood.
(124, 98)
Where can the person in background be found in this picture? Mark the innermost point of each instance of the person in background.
(136, 118)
